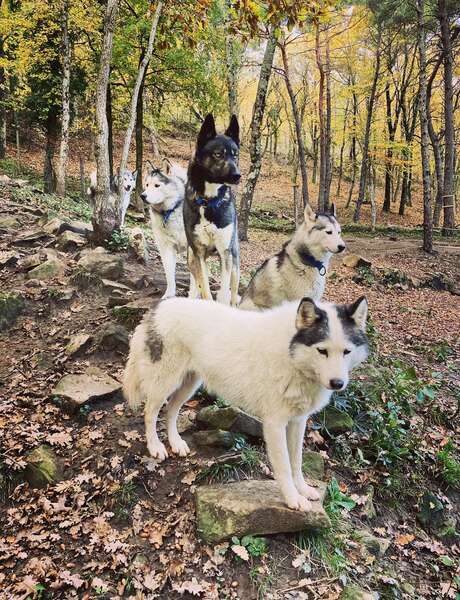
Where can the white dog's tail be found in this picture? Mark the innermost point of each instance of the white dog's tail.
(132, 384)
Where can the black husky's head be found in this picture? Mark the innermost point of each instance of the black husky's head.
(217, 155)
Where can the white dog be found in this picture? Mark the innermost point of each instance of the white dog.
(128, 181)
(280, 365)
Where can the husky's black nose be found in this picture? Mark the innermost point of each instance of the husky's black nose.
(144, 196)
(340, 248)
(234, 178)
(336, 384)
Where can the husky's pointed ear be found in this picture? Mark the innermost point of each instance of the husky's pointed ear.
(207, 131)
(358, 312)
(332, 210)
(307, 314)
(233, 130)
(167, 166)
(309, 214)
(135, 175)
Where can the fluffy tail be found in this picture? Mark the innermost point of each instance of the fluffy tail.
(132, 385)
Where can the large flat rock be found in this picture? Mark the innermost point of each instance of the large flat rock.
(94, 384)
(252, 508)
(230, 418)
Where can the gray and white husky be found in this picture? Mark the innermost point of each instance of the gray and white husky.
(128, 181)
(163, 192)
(280, 365)
(300, 268)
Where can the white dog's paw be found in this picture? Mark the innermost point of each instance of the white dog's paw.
(179, 446)
(307, 491)
(297, 501)
(223, 296)
(157, 450)
(168, 294)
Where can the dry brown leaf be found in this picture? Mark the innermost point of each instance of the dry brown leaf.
(240, 551)
(404, 539)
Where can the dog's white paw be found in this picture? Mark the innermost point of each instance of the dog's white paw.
(223, 296)
(307, 491)
(298, 502)
(179, 446)
(157, 450)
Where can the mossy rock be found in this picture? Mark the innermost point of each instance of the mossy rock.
(11, 305)
(313, 464)
(230, 418)
(43, 467)
(131, 314)
(335, 420)
(353, 592)
(374, 545)
(217, 438)
(53, 267)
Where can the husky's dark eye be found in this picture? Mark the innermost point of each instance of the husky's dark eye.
(157, 185)
(329, 232)
(218, 154)
(322, 351)
(345, 352)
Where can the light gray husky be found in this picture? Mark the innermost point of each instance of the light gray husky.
(128, 181)
(299, 269)
(280, 365)
(163, 192)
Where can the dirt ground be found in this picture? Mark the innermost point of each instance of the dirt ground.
(119, 525)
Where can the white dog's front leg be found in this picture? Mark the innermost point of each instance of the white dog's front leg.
(168, 258)
(275, 438)
(223, 295)
(295, 435)
(193, 290)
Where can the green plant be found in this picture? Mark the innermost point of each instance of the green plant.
(442, 351)
(54, 293)
(221, 402)
(262, 579)
(126, 497)
(256, 546)
(448, 465)
(84, 278)
(337, 501)
(118, 242)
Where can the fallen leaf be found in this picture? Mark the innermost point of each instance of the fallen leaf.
(404, 539)
(240, 551)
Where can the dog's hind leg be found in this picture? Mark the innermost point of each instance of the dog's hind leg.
(168, 258)
(190, 384)
(295, 435)
(275, 438)
(235, 281)
(223, 295)
(197, 266)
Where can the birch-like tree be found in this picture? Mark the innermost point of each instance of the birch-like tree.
(65, 115)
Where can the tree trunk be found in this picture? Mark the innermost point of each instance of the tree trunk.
(322, 124)
(353, 147)
(425, 140)
(328, 134)
(49, 176)
(139, 147)
(132, 115)
(255, 143)
(342, 149)
(449, 127)
(315, 140)
(367, 133)
(104, 216)
(389, 153)
(232, 59)
(109, 116)
(65, 117)
(81, 160)
(3, 96)
(298, 126)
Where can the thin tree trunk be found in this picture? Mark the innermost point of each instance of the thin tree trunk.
(298, 126)
(367, 133)
(328, 136)
(255, 143)
(104, 216)
(232, 59)
(3, 96)
(139, 147)
(322, 124)
(342, 149)
(389, 153)
(81, 160)
(425, 141)
(132, 115)
(449, 127)
(315, 140)
(49, 175)
(109, 116)
(65, 118)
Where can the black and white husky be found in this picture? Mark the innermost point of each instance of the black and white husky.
(163, 192)
(280, 365)
(128, 183)
(210, 219)
(300, 268)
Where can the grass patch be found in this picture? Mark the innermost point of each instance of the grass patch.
(84, 279)
(246, 462)
(118, 242)
(449, 465)
(126, 497)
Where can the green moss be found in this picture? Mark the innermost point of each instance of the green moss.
(11, 305)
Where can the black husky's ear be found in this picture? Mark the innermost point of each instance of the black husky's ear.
(332, 209)
(233, 130)
(358, 312)
(207, 131)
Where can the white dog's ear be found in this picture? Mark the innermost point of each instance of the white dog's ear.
(135, 175)
(358, 312)
(309, 214)
(332, 210)
(167, 166)
(307, 314)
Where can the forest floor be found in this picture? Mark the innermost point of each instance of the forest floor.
(119, 525)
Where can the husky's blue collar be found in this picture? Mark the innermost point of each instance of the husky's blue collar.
(215, 202)
(310, 260)
(166, 214)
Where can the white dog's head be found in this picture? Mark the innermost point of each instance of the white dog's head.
(128, 181)
(163, 187)
(330, 340)
(320, 232)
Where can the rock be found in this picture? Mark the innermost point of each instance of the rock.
(367, 510)
(115, 285)
(54, 226)
(77, 343)
(313, 464)
(31, 261)
(43, 467)
(53, 267)
(353, 592)
(131, 314)
(375, 545)
(70, 241)
(136, 281)
(101, 263)
(117, 298)
(8, 222)
(231, 419)
(138, 244)
(30, 236)
(66, 293)
(335, 420)
(355, 261)
(216, 437)
(11, 305)
(81, 226)
(185, 420)
(252, 508)
(94, 384)
(112, 337)
(8, 259)
(432, 512)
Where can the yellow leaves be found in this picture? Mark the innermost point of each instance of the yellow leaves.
(404, 539)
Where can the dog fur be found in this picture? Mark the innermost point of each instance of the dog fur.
(280, 365)
(128, 182)
(292, 274)
(163, 192)
(210, 218)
